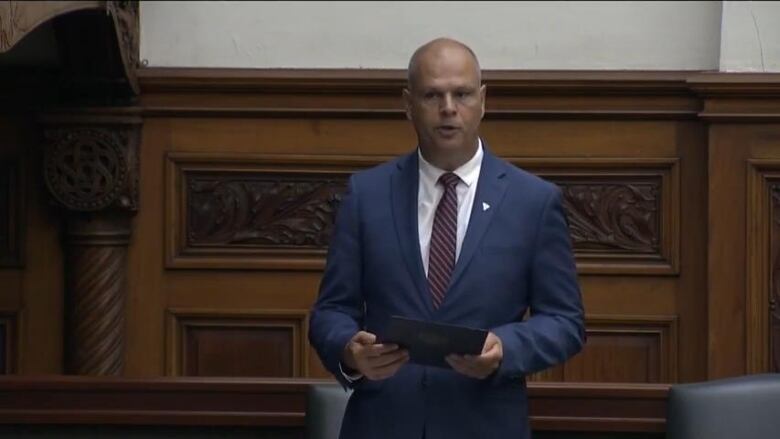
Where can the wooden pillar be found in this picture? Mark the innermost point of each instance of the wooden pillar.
(91, 172)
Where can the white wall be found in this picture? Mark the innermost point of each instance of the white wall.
(750, 40)
(505, 35)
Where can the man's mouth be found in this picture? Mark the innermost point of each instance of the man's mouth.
(447, 130)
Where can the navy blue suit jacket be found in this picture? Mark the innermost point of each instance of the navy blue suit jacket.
(516, 256)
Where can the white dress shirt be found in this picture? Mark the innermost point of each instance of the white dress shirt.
(429, 193)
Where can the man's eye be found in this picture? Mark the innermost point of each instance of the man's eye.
(429, 95)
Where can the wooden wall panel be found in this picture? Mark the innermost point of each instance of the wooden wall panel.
(9, 339)
(670, 182)
(630, 150)
(623, 214)
(11, 213)
(763, 257)
(237, 343)
(623, 350)
(248, 211)
(742, 112)
(219, 156)
(31, 281)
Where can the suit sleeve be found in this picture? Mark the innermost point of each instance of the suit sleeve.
(337, 315)
(555, 330)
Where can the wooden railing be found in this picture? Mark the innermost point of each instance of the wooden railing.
(282, 403)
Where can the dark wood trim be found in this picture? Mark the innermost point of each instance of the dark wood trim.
(598, 407)
(738, 97)
(398, 113)
(376, 94)
(281, 403)
(161, 79)
(760, 286)
(10, 318)
(12, 251)
(512, 94)
(158, 401)
(723, 84)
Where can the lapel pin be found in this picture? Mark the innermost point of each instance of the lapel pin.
(485, 206)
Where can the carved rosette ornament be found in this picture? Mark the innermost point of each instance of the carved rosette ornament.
(126, 24)
(91, 171)
(86, 168)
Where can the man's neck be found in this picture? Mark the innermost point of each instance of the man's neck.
(448, 161)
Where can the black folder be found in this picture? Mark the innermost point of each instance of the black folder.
(428, 342)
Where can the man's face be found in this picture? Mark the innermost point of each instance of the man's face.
(445, 102)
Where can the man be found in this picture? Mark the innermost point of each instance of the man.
(451, 234)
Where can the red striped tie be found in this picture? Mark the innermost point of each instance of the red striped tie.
(441, 258)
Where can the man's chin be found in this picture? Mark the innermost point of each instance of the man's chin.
(450, 142)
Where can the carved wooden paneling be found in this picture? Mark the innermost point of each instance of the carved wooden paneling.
(11, 210)
(623, 214)
(624, 350)
(91, 169)
(763, 265)
(96, 326)
(237, 343)
(241, 211)
(268, 210)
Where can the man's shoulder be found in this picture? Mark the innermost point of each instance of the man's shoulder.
(522, 178)
(380, 171)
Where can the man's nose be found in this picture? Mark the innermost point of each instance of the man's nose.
(447, 105)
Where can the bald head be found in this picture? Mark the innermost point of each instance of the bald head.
(433, 49)
(445, 100)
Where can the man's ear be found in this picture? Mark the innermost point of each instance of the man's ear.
(408, 103)
(482, 94)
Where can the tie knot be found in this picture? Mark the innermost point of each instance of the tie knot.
(449, 180)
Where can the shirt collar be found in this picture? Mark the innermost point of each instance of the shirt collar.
(468, 172)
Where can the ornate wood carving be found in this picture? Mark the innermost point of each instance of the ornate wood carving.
(613, 217)
(298, 211)
(126, 24)
(623, 215)
(11, 24)
(266, 210)
(96, 264)
(11, 210)
(89, 168)
(18, 18)
(91, 171)
(241, 211)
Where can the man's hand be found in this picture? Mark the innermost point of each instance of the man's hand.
(479, 366)
(374, 361)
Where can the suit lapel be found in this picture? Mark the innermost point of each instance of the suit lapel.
(404, 193)
(490, 192)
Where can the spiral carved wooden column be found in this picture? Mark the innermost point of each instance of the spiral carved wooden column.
(91, 171)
